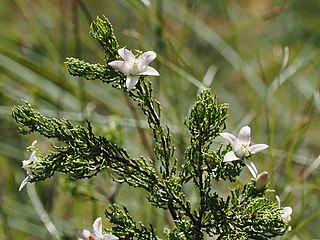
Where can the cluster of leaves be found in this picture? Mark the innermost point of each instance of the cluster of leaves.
(251, 215)
(247, 213)
(126, 227)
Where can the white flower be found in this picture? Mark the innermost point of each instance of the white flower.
(132, 67)
(27, 166)
(285, 212)
(97, 232)
(241, 148)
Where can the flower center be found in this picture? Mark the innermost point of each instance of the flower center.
(241, 150)
(91, 237)
(244, 146)
(285, 217)
(134, 68)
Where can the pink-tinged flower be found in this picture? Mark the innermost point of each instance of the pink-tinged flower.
(132, 67)
(97, 232)
(241, 148)
(27, 166)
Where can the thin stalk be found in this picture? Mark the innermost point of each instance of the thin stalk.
(141, 132)
(201, 187)
(38, 207)
(156, 120)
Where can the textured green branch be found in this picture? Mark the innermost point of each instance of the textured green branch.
(126, 228)
(90, 71)
(248, 213)
(101, 30)
(84, 154)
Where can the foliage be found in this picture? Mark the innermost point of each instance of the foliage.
(246, 213)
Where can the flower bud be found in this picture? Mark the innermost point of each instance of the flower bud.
(262, 180)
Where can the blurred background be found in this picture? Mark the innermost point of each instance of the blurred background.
(261, 57)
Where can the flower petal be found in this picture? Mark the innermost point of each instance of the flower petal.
(126, 55)
(33, 157)
(252, 168)
(131, 81)
(119, 65)
(85, 234)
(287, 210)
(244, 135)
(230, 156)
(257, 148)
(146, 57)
(278, 201)
(34, 143)
(150, 71)
(97, 227)
(230, 138)
(24, 182)
(26, 164)
(109, 237)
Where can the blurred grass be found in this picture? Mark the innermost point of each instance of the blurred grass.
(262, 57)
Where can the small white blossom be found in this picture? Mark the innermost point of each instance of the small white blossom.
(132, 67)
(285, 212)
(241, 148)
(27, 166)
(97, 232)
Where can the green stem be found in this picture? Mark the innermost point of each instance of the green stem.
(155, 119)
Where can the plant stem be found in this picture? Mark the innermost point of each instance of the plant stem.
(141, 132)
(155, 119)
